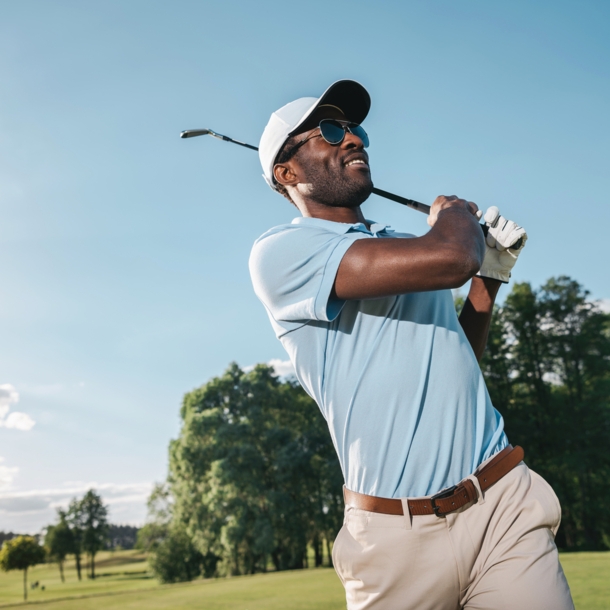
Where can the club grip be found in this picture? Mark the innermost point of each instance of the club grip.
(515, 246)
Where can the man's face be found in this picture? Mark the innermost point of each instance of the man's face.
(333, 175)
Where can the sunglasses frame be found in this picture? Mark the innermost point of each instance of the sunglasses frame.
(345, 126)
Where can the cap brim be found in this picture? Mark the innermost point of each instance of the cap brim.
(347, 95)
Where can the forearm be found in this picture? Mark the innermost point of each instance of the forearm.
(476, 313)
(446, 257)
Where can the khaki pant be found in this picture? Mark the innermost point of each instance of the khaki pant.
(497, 554)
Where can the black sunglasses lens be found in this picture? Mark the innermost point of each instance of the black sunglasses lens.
(332, 131)
(360, 133)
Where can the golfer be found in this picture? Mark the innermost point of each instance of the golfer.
(440, 510)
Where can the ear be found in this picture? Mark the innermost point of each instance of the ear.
(285, 174)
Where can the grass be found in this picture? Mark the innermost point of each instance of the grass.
(124, 583)
(589, 578)
(118, 571)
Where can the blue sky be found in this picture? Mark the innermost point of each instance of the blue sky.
(123, 249)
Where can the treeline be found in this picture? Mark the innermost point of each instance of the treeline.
(4, 536)
(547, 367)
(254, 480)
(81, 530)
(121, 537)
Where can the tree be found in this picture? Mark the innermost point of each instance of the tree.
(253, 473)
(95, 525)
(21, 553)
(158, 520)
(175, 558)
(75, 519)
(548, 372)
(59, 541)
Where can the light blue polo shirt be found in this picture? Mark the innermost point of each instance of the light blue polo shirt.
(395, 378)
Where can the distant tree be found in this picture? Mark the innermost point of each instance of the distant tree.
(95, 525)
(59, 542)
(121, 537)
(21, 553)
(75, 518)
(158, 520)
(7, 536)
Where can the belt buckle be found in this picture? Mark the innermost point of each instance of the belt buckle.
(438, 496)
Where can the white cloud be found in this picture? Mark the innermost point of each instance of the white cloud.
(16, 419)
(604, 305)
(6, 475)
(31, 510)
(8, 396)
(283, 368)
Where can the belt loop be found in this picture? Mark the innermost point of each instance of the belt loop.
(408, 518)
(477, 485)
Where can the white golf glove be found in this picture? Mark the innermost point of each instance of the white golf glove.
(500, 257)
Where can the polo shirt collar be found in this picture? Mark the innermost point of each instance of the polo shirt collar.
(344, 227)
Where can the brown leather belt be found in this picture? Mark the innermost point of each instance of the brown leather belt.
(448, 500)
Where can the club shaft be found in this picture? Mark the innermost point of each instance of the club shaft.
(414, 205)
(227, 139)
(411, 203)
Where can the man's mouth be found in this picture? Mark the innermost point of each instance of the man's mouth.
(359, 159)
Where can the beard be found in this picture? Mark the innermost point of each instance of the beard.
(333, 187)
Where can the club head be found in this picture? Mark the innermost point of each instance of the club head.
(191, 133)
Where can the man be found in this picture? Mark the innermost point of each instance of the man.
(441, 512)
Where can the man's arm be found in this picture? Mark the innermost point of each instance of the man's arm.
(476, 313)
(446, 257)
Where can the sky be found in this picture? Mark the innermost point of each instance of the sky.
(123, 249)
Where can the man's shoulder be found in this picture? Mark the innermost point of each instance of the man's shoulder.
(305, 225)
(277, 230)
(308, 233)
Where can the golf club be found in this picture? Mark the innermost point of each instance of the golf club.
(414, 205)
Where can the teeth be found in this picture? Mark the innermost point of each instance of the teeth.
(356, 161)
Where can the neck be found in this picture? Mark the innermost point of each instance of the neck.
(311, 209)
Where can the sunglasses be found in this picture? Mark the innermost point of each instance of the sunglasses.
(333, 132)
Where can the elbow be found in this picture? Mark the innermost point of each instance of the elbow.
(464, 267)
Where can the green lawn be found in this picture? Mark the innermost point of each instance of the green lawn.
(119, 571)
(124, 584)
(589, 578)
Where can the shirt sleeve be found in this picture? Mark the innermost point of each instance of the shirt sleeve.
(293, 271)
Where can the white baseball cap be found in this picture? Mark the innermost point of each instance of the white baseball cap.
(347, 95)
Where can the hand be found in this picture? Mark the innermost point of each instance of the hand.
(502, 233)
(500, 258)
(442, 203)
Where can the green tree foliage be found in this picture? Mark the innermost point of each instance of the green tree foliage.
(21, 553)
(547, 367)
(254, 475)
(173, 556)
(75, 519)
(157, 526)
(176, 559)
(94, 515)
(59, 542)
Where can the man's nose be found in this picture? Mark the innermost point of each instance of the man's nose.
(352, 141)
